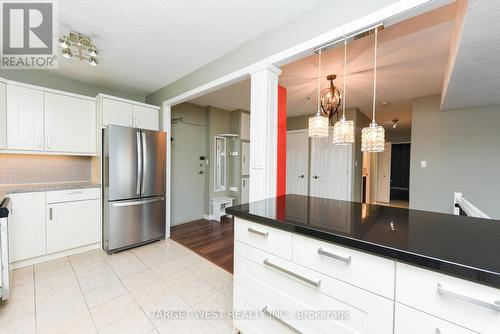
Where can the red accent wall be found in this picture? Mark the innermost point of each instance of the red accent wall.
(281, 177)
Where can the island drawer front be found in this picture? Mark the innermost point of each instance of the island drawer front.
(373, 273)
(295, 288)
(245, 300)
(411, 321)
(266, 238)
(449, 298)
(58, 196)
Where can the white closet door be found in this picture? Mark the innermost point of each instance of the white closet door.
(384, 174)
(297, 162)
(330, 169)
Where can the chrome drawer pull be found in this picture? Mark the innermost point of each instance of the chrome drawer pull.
(252, 230)
(495, 306)
(271, 315)
(334, 256)
(288, 272)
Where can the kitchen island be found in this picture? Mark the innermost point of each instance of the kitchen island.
(375, 269)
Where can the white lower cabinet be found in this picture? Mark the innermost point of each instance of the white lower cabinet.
(72, 224)
(309, 300)
(43, 223)
(27, 226)
(411, 321)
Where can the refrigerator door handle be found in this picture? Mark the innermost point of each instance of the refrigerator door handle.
(141, 202)
(144, 160)
(139, 163)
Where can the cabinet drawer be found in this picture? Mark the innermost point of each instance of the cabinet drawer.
(411, 321)
(294, 288)
(373, 273)
(465, 303)
(266, 238)
(58, 196)
(248, 302)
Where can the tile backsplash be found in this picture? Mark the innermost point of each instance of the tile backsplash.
(27, 168)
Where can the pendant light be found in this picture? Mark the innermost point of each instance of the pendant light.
(318, 124)
(373, 137)
(343, 130)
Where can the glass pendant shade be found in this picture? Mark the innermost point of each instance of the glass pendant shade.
(318, 126)
(373, 139)
(343, 132)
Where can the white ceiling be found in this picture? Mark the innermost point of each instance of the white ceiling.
(149, 44)
(475, 77)
(412, 59)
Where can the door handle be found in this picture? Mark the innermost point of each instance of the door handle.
(494, 306)
(132, 203)
(301, 176)
(144, 160)
(201, 172)
(272, 315)
(315, 177)
(50, 213)
(347, 259)
(139, 163)
(316, 284)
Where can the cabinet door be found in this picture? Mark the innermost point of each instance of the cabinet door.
(116, 113)
(27, 226)
(245, 158)
(146, 118)
(70, 124)
(245, 126)
(72, 224)
(24, 118)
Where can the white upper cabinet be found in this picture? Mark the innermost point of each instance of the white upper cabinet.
(121, 112)
(117, 113)
(70, 124)
(25, 128)
(146, 118)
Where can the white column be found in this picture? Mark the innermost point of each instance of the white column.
(166, 116)
(263, 132)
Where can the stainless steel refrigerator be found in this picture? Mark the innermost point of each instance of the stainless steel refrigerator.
(133, 171)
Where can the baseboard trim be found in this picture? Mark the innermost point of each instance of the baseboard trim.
(53, 256)
(208, 217)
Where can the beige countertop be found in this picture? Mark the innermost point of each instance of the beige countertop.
(26, 188)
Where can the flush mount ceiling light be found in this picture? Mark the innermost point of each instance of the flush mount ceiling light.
(343, 130)
(373, 137)
(318, 124)
(80, 46)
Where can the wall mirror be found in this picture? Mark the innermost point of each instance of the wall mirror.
(219, 164)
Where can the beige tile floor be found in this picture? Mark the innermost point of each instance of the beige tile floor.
(93, 292)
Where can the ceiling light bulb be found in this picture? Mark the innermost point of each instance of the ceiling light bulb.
(67, 53)
(64, 43)
(93, 61)
(93, 52)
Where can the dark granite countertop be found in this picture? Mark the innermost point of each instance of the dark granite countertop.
(464, 247)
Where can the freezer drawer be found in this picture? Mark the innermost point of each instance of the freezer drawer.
(133, 222)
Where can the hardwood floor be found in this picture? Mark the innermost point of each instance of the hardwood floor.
(208, 238)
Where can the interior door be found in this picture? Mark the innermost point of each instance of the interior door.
(188, 173)
(153, 163)
(297, 162)
(330, 169)
(122, 157)
(384, 174)
(70, 123)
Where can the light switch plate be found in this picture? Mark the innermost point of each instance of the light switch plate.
(423, 164)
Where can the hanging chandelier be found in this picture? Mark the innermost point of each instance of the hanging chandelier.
(330, 99)
(318, 124)
(79, 46)
(373, 137)
(343, 130)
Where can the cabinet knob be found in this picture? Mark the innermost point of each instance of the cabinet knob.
(301, 176)
(315, 177)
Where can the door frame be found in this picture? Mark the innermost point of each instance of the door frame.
(391, 14)
(308, 163)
